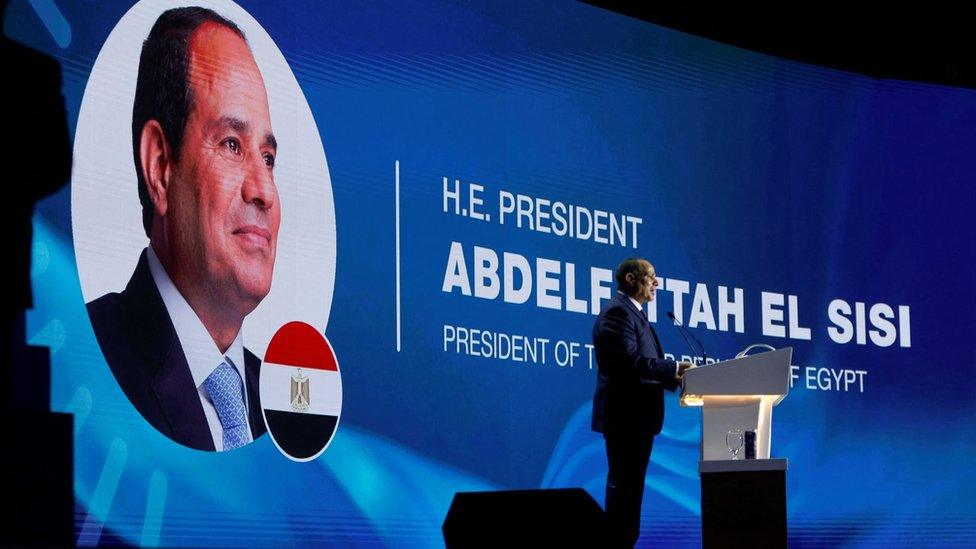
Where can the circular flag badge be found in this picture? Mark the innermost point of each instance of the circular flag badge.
(301, 391)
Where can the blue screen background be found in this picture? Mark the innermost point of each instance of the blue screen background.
(747, 172)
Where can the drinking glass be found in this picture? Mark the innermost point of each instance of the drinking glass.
(734, 441)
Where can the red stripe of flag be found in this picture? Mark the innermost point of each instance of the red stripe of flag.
(298, 344)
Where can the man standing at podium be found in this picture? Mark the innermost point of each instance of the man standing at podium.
(628, 406)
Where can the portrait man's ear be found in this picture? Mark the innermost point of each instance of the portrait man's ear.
(156, 161)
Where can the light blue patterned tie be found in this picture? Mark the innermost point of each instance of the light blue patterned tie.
(226, 392)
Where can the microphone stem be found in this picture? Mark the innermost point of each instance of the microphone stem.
(681, 330)
(684, 330)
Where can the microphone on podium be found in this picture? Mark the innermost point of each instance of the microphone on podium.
(684, 330)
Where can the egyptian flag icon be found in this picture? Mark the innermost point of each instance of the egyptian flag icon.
(301, 391)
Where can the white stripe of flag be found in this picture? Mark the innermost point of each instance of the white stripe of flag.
(324, 389)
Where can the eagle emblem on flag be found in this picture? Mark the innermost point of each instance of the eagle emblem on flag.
(299, 391)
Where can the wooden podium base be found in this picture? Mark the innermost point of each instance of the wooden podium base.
(743, 503)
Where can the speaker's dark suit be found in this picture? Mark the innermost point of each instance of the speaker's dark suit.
(628, 406)
(142, 349)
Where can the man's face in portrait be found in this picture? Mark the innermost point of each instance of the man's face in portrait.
(223, 205)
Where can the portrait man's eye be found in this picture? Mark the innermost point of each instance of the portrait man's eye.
(232, 145)
(269, 160)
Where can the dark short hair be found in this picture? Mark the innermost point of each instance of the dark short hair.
(162, 86)
(628, 266)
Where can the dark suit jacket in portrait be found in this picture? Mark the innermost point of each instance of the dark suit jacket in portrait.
(632, 371)
(141, 347)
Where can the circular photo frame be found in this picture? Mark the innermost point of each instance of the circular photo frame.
(152, 345)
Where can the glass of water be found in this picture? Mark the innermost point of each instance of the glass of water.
(734, 440)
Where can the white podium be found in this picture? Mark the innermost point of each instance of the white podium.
(743, 502)
(738, 394)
